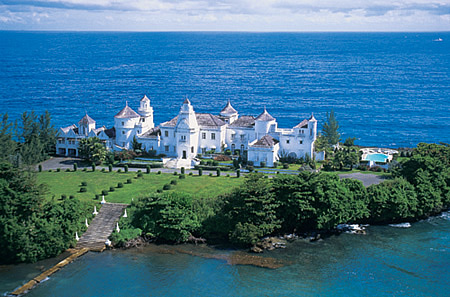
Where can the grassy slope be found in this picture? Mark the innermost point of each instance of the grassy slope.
(69, 183)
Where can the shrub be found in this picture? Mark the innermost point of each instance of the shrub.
(50, 170)
(139, 171)
(275, 164)
(104, 192)
(97, 196)
(147, 169)
(167, 187)
(58, 169)
(159, 191)
(159, 172)
(40, 168)
(175, 173)
(83, 184)
(182, 170)
(200, 172)
(119, 170)
(63, 197)
(84, 169)
(173, 182)
(210, 174)
(262, 164)
(71, 197)
(190, 173)
(228, 175)
(250, 163)
(218, 172)
(182, 176)
(139, 174)
(125, 168)
(93, 167)
(202, 162)
(250, 168)
(129, 181)
(67, 170)
(103, 169)
(120, 185)
(215, 163)
(110, 168)
(111, 189)
(285, 166)
(238, 173)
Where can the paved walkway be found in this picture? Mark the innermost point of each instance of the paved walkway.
(101, 227)
(366, 178)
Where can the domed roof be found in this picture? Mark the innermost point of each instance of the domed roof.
(228, 109)
(145, 98)
(127, 113)
(265, 116)
(86, 120)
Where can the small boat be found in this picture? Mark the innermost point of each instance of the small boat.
(439, 39)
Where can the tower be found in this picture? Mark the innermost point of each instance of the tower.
(146, 112)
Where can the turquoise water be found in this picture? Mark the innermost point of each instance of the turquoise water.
(376, 157)
(386, 262)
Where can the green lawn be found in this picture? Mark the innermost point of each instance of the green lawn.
(69, 183)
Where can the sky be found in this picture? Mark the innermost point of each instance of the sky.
(225, 15)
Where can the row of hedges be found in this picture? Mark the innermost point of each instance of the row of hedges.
(152, 165)
(213, 168)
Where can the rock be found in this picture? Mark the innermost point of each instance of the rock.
(255, 249)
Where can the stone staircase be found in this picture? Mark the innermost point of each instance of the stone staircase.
(101, 227)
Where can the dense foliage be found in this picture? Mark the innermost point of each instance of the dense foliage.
(29, 141)
(30, 228)
(92, 149)
(300, 203)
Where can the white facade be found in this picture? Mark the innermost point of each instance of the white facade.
(191, 133)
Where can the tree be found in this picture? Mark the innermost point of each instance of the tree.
(8, 145)
(392, 201)
(251, 210)
(330, 129)
(167, 216)
(92, 149)
(30, 228)
(137, 146)
(349, 141)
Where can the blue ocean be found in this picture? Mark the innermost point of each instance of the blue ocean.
(387, 89)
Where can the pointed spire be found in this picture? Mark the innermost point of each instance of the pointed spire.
(186, 101)
(228, 109)
(145, 98)
(265, 116)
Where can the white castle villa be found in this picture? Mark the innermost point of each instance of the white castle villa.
(190, 133)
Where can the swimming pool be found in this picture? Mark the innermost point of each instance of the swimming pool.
(376, 157)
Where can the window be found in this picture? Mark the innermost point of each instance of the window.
(310, 132)
(123, 123)
(123, 132)
(287, 141)
(213, 135)
(192, 149)
(203, 150)
(232, 136)
(166, 148)
(166, 133)
(242, 137)
(301, 141)
(138, 132)
(143, 119)
(183, 138)
(203, 135)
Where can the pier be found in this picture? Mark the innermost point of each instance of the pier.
(92, 240)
